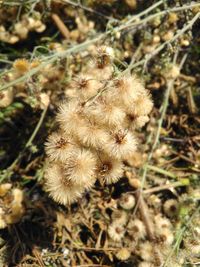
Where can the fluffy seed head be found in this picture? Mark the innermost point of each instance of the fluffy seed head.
(146, 251)
(92, 135)
(166, 236)
(129, 89)
(140, 121)
(70, 117)
(162, 222)
(119, 216)
(106, 113)
(86, 86)
(109, 170)
(80, 168)
(60, 188)
(122, 144)
(142, 106)
(59, 146)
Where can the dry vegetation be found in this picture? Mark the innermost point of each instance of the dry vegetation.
(49, 52)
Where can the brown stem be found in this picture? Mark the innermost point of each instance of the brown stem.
(145, 215)
(61, 26)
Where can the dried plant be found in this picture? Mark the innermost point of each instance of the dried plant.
(11, 205)
(96, 130)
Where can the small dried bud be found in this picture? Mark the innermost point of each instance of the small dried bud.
(116, 232)
(173, 18)
(21, 66)
(123, 254)
(171, 207)
(127, 201)
(168, 35)
(4, 188)
(44, 100)
(6, 97)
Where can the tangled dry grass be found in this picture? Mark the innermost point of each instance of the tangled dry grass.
(150, 217)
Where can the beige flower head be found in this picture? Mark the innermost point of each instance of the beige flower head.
(60, 188)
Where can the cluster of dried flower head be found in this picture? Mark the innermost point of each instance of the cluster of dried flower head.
(11, 205)
(21, 67)
(22, 28)
(96, 130)
(125, 228)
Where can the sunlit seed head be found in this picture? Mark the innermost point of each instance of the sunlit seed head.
(80, 168)
(122, 144)
(109, 170)
(59, 146)
(92, 135)
(70, 116)
(60, 188)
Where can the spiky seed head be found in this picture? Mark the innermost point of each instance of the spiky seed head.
(60, 188)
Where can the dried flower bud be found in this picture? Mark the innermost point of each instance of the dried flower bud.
(21, 66)
(123, 254)
(173, 18)
(127, 201)
(120, 217)
(116, 232)
(44, 100)
(171, 207)
(4, 188)
(12, 205)
(6, 97)
(146, 251)
(136, 229)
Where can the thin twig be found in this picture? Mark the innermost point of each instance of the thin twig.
(143, 208)
(166, 186)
